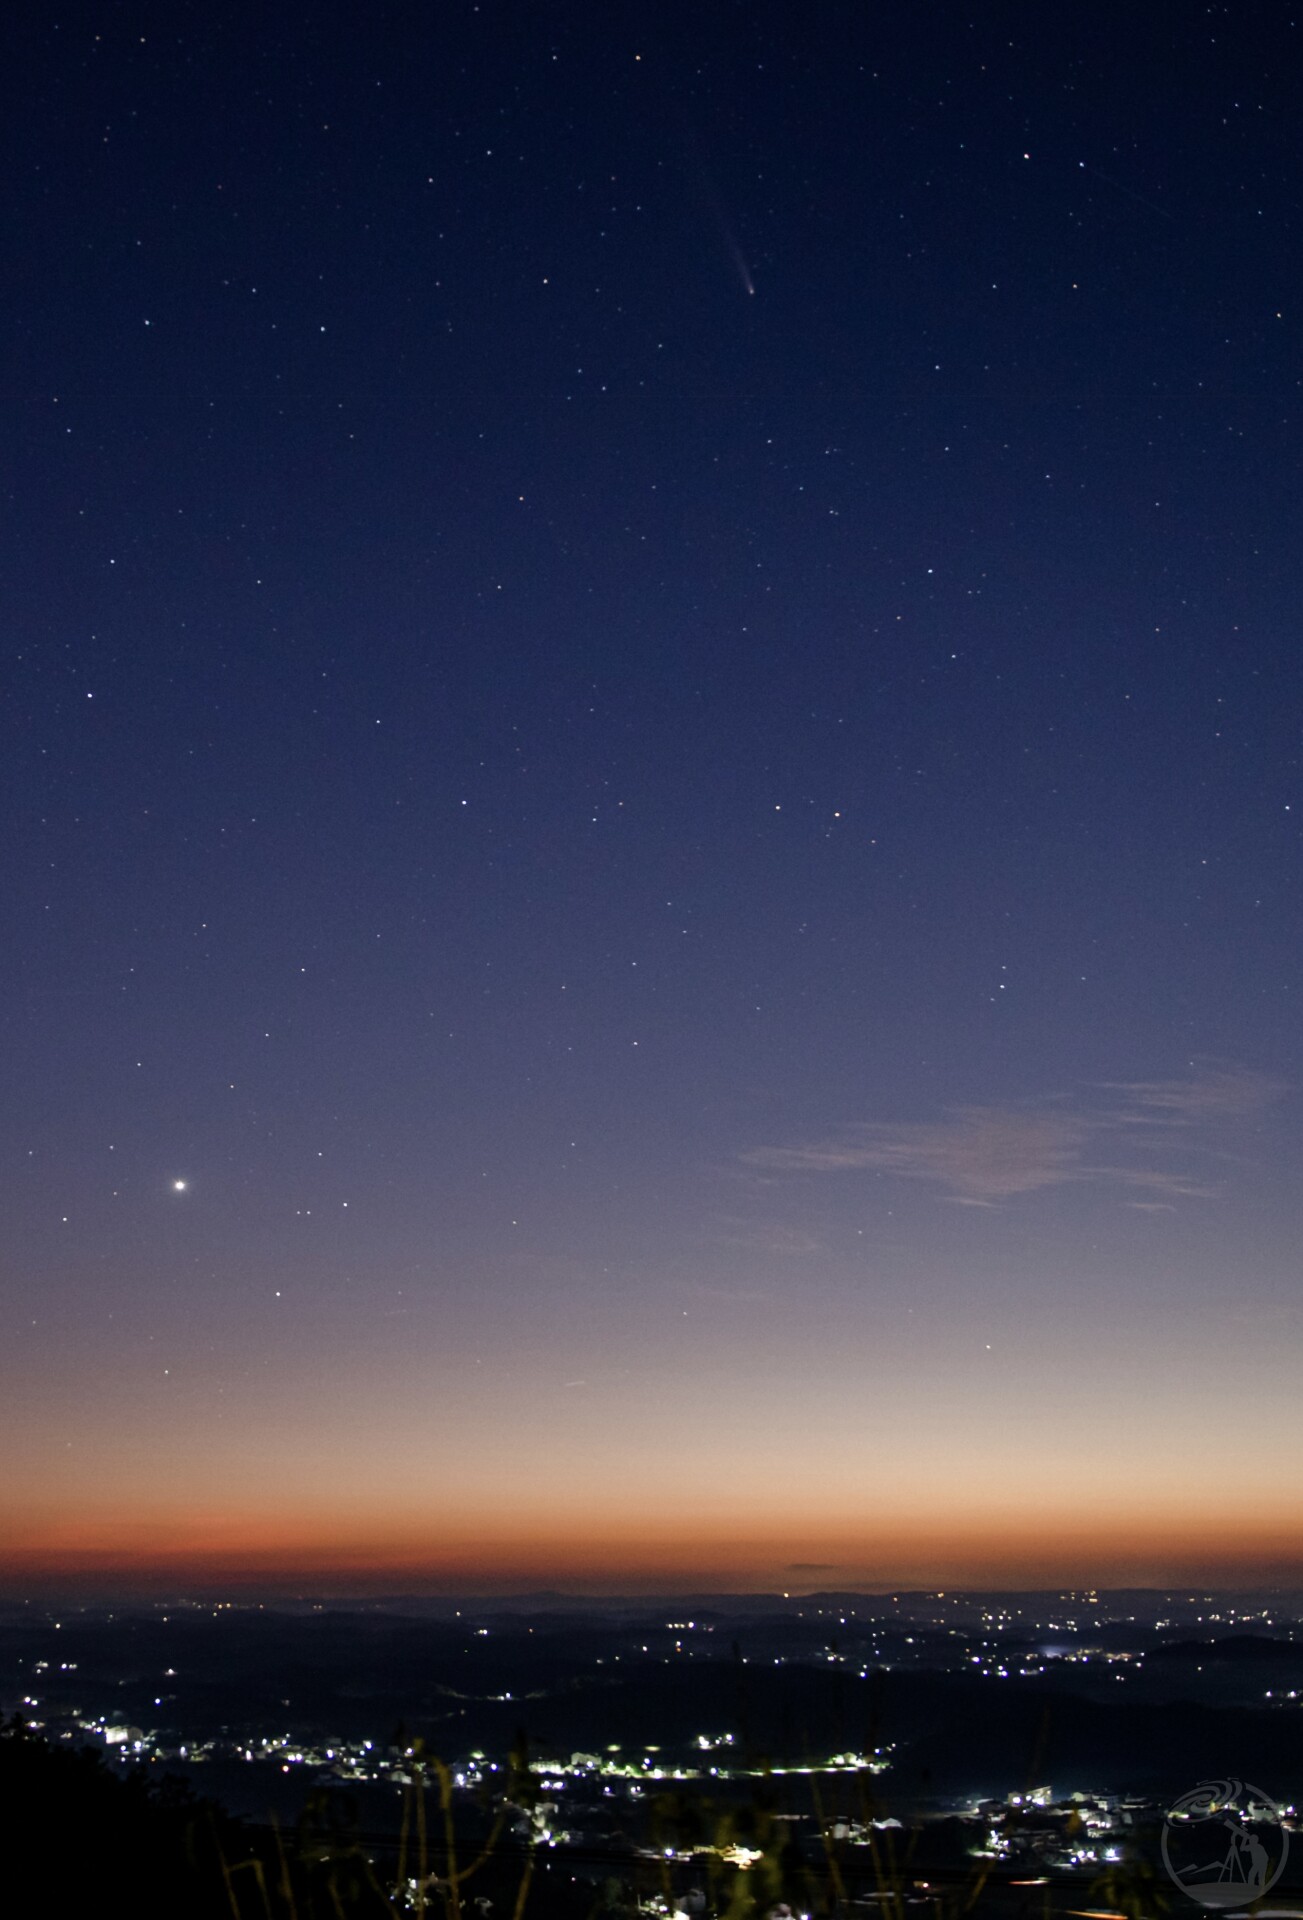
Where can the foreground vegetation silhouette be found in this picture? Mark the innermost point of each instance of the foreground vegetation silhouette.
(113, 1841)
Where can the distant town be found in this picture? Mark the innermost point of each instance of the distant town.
(1026, 1738)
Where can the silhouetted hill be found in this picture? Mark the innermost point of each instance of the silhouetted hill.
(1233, 1646)
(120, 1843)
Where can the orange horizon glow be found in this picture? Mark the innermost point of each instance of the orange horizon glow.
(768, 1461)
(229, 1549)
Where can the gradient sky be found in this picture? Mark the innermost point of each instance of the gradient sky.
(651, 756)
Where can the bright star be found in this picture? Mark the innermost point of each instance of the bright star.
(179, 1186)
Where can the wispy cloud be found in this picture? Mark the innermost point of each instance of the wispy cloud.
(778, 1241)
(979, 1154)
(982, 1155)
(1165, 1185)
(1212, 1093)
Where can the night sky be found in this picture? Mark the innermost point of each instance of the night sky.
(651, 748)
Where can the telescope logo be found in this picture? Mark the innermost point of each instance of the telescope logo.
(1224, 1843)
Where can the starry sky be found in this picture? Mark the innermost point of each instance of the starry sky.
(651, 748)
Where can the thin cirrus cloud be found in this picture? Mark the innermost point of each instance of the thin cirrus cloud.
(780, 1242)
(1215, 1093)
(982, 1155)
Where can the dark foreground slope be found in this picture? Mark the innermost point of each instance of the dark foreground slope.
(81, 1837)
